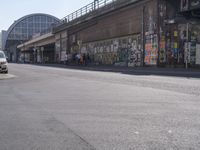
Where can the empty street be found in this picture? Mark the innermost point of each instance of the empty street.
(48, 108)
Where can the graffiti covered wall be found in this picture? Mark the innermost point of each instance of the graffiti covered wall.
(189, 45)
(124, 51)
(151, 49)
(151, 37)
(162, 30)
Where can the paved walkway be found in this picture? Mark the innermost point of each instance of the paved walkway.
(179, 72)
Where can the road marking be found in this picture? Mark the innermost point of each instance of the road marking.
(6, 76)
(137, 132)
(170, 131)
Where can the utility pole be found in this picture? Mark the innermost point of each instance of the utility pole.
(143, 34)
(158, 31)
(187, 47)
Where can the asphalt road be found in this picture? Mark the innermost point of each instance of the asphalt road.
(46, 108)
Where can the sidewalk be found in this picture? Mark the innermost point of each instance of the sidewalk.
(175, 72)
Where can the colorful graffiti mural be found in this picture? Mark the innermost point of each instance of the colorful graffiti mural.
(124, 51)
(151, 39)
(151, 49)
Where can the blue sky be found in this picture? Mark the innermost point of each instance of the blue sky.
(12, 10)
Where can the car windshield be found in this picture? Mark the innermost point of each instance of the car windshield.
(2, 55)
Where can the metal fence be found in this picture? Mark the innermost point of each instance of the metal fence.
(87, 9)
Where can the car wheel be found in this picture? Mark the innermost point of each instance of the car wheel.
(6, 72)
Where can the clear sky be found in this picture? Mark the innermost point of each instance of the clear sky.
(11, 10)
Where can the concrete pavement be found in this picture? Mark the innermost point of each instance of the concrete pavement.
(50, 108)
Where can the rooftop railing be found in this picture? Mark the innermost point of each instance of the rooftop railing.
(87, 9)
(95, 8)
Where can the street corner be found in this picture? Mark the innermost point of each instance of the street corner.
(6, 76)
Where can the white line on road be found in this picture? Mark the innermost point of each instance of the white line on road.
(6, 76)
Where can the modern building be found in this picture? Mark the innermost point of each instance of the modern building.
(24, 29)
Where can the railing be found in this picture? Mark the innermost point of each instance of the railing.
(87, 9)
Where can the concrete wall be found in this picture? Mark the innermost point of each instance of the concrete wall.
(149, 32)
(123, 51)
(120, 23)
(115, 38)
(131, 33)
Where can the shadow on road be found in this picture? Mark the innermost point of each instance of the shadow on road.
(170, 72)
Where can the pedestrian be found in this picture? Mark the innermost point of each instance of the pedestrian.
(84, 59)
(81, 59)
(78, 57)
(66, 59)
(88, 58)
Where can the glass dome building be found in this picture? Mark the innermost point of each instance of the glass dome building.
(24, 29)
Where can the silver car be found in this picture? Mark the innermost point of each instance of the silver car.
(3, 63)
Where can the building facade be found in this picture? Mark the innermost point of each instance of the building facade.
(24, 29)
(132, 33)
(135, 33)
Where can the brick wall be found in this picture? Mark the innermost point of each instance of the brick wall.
(122, 22)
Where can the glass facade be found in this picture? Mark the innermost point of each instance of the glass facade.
(30, 26)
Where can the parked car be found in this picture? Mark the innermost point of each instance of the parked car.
(3, 63)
